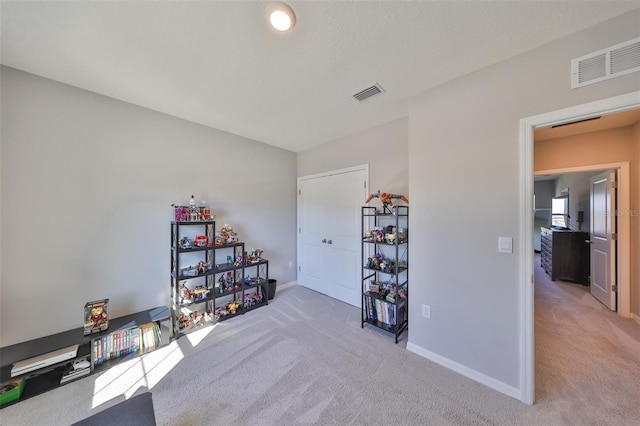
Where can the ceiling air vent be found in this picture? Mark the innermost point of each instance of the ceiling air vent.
(368, 92)
(604, 64)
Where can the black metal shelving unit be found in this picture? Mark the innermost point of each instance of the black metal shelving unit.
(193, 311)
(230, 286)
(385, 272)
(245, 285)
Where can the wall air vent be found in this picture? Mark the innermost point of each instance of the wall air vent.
(368, 92)
(605, 64)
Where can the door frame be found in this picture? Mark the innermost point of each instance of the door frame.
(527, 126)
(362, 167)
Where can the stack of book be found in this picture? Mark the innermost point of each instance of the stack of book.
(123, 342)
(382, 311)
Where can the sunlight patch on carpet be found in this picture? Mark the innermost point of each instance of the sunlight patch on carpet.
(142, 372)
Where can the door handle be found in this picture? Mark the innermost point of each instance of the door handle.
(329, 242)
(588, 241)
(324, 240)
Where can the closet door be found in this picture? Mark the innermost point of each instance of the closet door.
(312, 219)
(329, 233)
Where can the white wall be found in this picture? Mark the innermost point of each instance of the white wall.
(579, 196)
(544, 191)
(87, 183)
(385, 148)
(464, 170)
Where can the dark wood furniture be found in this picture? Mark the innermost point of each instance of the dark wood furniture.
(564, 254)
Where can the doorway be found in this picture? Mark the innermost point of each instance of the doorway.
(527, 126)
(576, 262)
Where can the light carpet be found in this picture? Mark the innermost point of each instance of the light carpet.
(304, 359)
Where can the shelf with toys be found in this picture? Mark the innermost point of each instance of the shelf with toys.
(192, 244)
(239, 288)
(385, 269)
(211, 274)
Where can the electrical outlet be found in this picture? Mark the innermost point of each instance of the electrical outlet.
(426, 311)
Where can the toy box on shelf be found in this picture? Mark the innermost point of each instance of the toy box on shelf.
(11, 390)
(96, 318)
(192, 213)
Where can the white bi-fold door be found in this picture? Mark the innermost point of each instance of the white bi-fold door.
(329, 232)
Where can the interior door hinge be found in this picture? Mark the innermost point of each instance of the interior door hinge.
(614, 184)
(614, 236)
(299, 268)
(299, 230)
(365, 184)
(299, 191)
(614, 287)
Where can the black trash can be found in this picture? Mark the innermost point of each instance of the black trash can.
(272, 288)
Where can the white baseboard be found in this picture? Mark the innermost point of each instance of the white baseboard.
(286, 285)
(466, 371)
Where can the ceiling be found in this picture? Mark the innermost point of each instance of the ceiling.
(218, 64)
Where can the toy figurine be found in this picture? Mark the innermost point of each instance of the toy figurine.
(227, 235)
(387, 199)
(203, 267)
(254, 256)
(99, 317)
(186, 243)
(233, 306)
(200, 293)
(185, 294)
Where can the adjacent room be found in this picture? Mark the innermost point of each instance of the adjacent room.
(579, 181)
(209, 209)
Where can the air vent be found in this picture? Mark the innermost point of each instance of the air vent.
(604, 64)
(368, 92)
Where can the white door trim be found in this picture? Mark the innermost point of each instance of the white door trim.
(527, 125)
(364, 167)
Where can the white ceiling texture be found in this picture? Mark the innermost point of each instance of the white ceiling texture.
(218, 64)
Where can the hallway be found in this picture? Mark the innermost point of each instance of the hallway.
(587, 357)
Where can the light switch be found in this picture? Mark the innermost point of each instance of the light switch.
(505, 245)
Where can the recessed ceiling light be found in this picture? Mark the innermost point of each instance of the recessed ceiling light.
(281, 16)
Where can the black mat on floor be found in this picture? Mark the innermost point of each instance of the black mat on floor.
(134, 411)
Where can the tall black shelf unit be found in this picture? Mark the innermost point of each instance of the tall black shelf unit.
(385, 279)
(227, 284)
